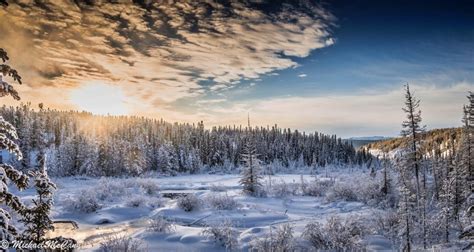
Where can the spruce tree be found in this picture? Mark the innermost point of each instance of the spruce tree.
(36, 218)
(251, 176)
(8, 173)
(412, 129)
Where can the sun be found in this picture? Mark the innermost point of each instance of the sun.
(99, 99)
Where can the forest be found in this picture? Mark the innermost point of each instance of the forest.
(79, 143)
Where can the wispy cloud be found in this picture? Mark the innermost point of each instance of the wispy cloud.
(158, 53)
(302, 75)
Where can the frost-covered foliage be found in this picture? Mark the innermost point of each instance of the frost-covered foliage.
(149, 186)
(188, 203)
(109, 189)
(279, 240)
(387, 225)
(336, 234)
(122, 243)
(341, 191)
(8, 136)
(85, 202)
(221, 202)
(218, 188)
(161, 225)
(317, 188)
(137, 201)
(36, 217)
(251, 171)
(359, 187)
(281, 189)
(223, 233)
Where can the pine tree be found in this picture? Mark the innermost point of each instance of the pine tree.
(251, 171)
(412, 129)
(36, 218)
(8, 173)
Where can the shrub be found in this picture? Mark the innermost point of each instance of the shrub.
(84, 202)
(217, 188)
(336, 234)
(155, 202)
(223, 234)
(281, 240)
(341, 191)
(108, 189)
(222, 202)
(317, 188)
(149, 186)
(387, 224)
(136, 201)
(188, 202)
(283, 189)
(122, 243)
(161, 225)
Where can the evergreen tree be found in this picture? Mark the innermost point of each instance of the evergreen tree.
(8, 173)
(412, 129)
(251, 176)
(36, 218)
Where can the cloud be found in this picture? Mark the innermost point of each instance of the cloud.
(302, 75)
(158, 53)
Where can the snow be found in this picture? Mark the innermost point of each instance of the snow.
(252, 218)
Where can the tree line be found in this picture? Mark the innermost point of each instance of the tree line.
(79, 143)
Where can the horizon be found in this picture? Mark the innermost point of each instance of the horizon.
(334, 68)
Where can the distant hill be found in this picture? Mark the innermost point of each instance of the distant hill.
(358, 142)
(432, 140)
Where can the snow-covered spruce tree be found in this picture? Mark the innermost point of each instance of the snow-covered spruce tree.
(251, 174)
(8, 173)
(412, 129)
(36, 218)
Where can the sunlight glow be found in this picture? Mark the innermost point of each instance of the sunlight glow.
(100, 99)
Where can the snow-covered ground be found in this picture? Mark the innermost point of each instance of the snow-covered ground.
(123, 207)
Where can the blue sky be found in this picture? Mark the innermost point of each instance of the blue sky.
(336, 67)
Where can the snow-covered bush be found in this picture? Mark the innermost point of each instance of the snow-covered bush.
(144, 201)
(341, 191)
(370, 192)
(217, 188)
(149, 186)
(85, 202)
(387, 224)
(122, 243)
(336, 234)
(315, 234)
(155, 202)
(221, 202)
(137, 201)
(281, 240)
(188, 202)
(108, 189)
(317, 188)
(161, 225)
(223, 233)
(282, 189)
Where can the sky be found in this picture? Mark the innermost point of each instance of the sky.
(336, 67)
